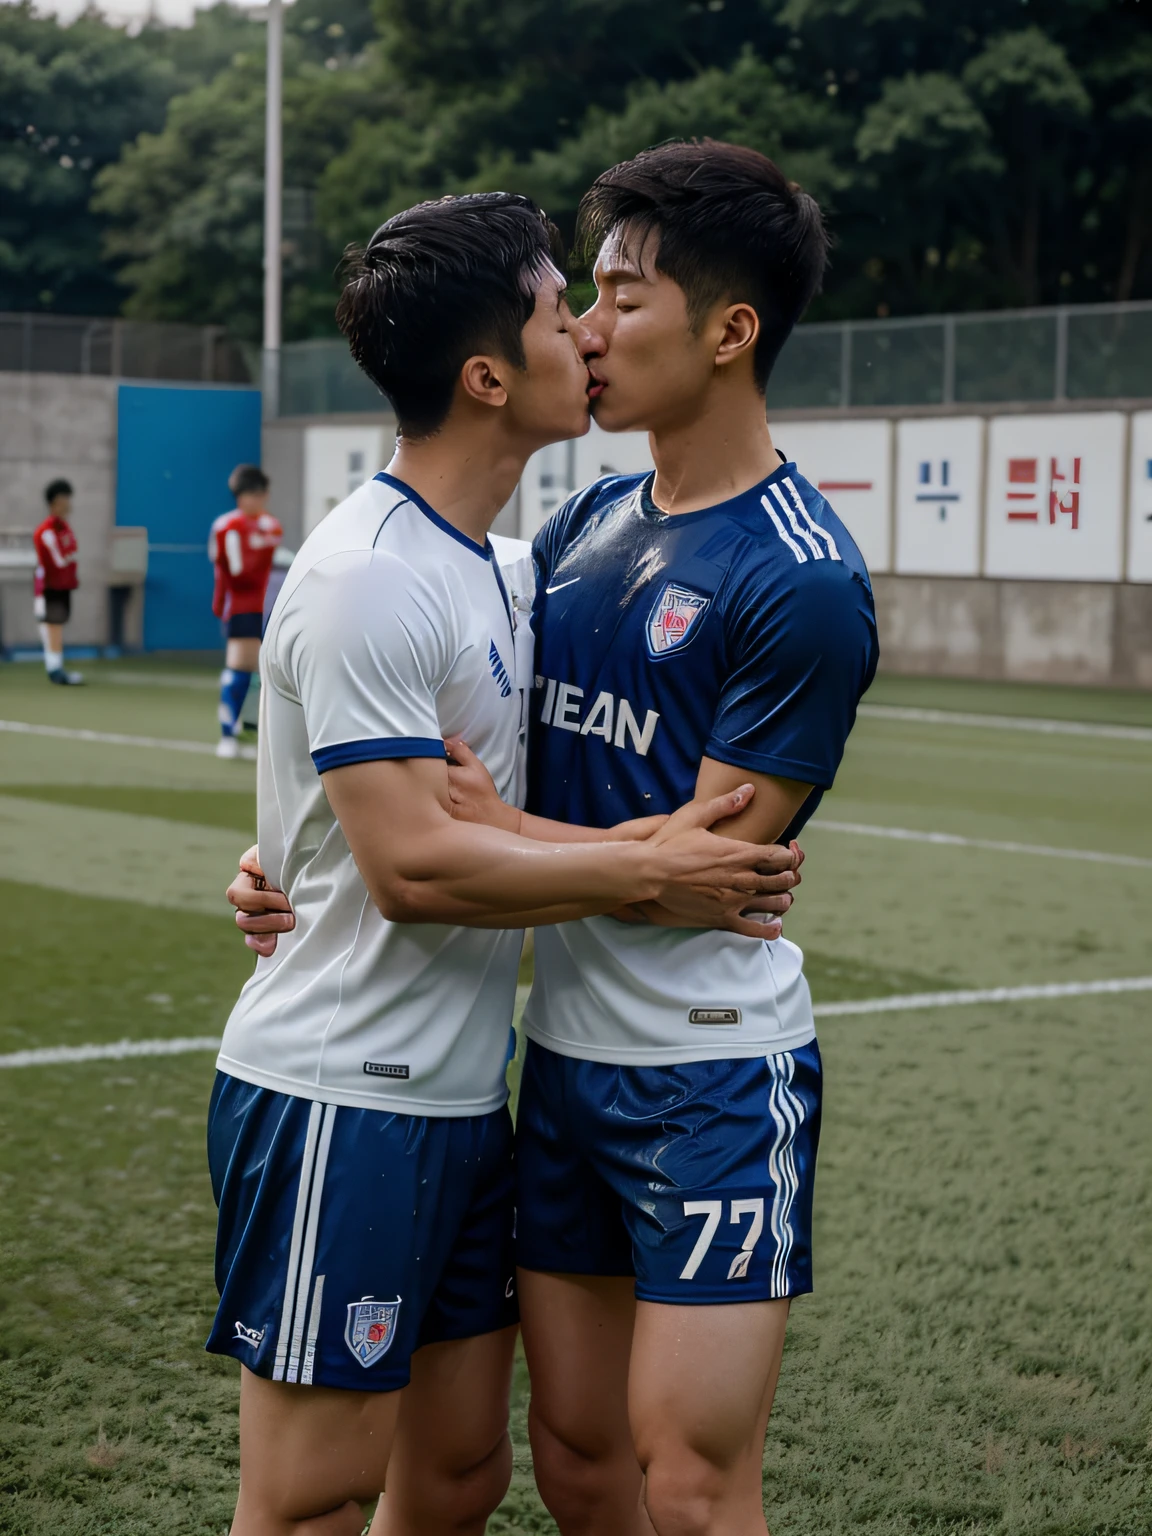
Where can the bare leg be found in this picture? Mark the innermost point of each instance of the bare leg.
(451, 1457)
(310, 1457)
(578, 1337)
(700, 1393)
(243, 655)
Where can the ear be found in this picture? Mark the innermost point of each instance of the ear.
(480, 380)
(740, 334)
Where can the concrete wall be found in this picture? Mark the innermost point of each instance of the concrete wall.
(59, 424)
(1091, 633)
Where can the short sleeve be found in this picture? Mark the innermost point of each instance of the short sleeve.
(799, 659)
(362, 645)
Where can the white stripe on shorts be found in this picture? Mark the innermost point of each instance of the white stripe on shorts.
(313, 1329)
(308, 1256)
(290, 1278)
(788, 1114)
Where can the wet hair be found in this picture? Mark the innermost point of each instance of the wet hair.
(438, 284)
(246, 478)
(731, 226)
(56, 488)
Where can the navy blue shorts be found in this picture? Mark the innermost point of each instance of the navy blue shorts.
(695, 1178)
(246, 626)
(349, 1238)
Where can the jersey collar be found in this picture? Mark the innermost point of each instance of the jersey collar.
(483, 550)
(734, 503)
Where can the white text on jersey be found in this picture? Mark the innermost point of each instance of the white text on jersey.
(613, 719)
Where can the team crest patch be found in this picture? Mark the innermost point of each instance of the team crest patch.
(674, 617)
(371, 1328)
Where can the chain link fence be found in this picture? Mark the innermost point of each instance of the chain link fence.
(1091, 352)
(130, 349)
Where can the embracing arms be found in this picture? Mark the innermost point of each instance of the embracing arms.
(424, 862)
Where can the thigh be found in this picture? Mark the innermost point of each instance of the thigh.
(577, 1333)
(308, 1452)
(569, 1221)
(451, 1458)
(243, 652)
(702, 1381)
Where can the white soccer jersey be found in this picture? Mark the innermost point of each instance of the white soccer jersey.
(392, 631)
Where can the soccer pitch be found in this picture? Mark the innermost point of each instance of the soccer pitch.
(976, 1357)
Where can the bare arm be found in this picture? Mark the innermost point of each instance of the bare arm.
(421, 865)
(474, 798)
(767, 815)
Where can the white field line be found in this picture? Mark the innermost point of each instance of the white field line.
(912, 1000)
(117, 1050)
(952, 840)
(162, 680)
(120, 1050)
(1007, 722)
(115, 739)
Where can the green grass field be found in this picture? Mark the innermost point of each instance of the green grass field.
(977, 1356)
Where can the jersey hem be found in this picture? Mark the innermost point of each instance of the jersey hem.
(761, 762)
(672, 1055)
(347, 1098)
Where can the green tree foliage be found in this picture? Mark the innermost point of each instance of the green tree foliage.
(70, 98)
(970, 153)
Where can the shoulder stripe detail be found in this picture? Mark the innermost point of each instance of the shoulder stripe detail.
(801, 533)
(801, 557)
(375, 749)
(817, 528)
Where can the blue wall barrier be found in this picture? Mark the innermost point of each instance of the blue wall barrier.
(175, 450)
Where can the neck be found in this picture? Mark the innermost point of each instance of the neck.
(465, 473)
(724, 450)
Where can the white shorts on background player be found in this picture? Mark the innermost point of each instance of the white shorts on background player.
(392, 631)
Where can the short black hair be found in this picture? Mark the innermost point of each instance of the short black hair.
(731, 226)
(435, 285)
(56, 488)
(246, 478)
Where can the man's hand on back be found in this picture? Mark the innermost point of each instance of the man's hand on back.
(262, 912)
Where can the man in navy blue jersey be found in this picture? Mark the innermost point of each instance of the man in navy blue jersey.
(708, 625)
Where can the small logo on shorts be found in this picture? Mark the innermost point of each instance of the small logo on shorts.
(385, 1069)
(371, 1328)
(714, 1016)
(253, 1336)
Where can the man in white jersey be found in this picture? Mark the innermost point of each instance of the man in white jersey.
(358, 1138)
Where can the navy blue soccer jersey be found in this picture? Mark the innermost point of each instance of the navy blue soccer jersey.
(744, 632)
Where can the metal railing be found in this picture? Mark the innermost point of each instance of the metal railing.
(114, 348)
(1079, 352)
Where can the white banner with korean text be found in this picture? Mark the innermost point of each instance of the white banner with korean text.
(1054, 497)
(938, 495)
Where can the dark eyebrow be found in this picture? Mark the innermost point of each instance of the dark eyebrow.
(614, 274)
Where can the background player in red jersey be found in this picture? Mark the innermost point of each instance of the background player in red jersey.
(241, 546)
(56, 579)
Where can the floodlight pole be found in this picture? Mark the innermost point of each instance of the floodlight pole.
(273, 211)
